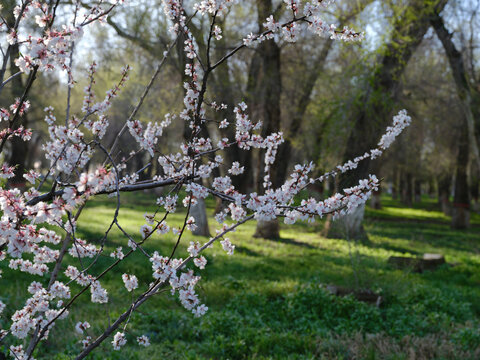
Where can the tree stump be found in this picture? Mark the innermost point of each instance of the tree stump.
(432, 261)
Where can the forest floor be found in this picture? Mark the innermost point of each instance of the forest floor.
(270, 300)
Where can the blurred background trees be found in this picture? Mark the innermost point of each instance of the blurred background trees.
(331, 100)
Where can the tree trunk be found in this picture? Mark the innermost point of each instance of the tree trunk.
(373, 110)
(463, 88)
(223, 90)
(19, 147)
(268, 229)
(199, 213)
(407, 191)
(307, 86)
(431, 188)
(444, 184)
(347, 227)
(461, 200)
(285, 150)
(474, 191)
(375, 201)
(267, 101)
(331, 185)
(418, 190)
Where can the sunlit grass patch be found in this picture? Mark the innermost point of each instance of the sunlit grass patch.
(269, 299)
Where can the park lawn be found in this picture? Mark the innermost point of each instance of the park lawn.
(269, 299)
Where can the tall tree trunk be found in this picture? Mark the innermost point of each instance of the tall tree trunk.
(269, 89)
(199, 210)
(474, 187)
(431, 188)
(407, 190)
(19, 148)
(464, 90)
(374, 109)
(444, 184)
(375, 201)
(199, 213)
(461, 199)
(285, 150)
(474, 191)
(223, 90)
(313, 73)
(332, 185)
(418, 190)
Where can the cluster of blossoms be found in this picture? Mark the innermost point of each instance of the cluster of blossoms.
(130, 281)
(50, 47)
(81, 327)
(214, 6)
(148, 139)
(48, 51)
(68, 149)
(166, 269)
(120, 339)
(29, 246)
(37, 309)
(311, 20)
(16, 109)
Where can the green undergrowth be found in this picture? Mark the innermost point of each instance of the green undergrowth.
(269, 300)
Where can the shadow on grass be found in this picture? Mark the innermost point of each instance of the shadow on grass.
(426, 234)
(246, 251)
(389, 247)
(292, 242)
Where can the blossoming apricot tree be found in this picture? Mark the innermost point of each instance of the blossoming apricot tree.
(26, 243)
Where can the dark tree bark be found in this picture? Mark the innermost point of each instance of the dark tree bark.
(461, 199)
(266, 103)
(223, 90)
(286, 149)
(474, 187)
(407, 189)
(198, 210)
(332, 186)
(418, 190)
(431, 187)
(19, 148)
(468, 140)
(444, 185)
(313, 72)
(474, 191)
(373, 110)
(465, 93)
(375, 201)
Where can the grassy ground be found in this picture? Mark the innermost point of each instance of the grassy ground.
(269, 299)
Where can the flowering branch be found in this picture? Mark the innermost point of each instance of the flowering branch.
(30, 247)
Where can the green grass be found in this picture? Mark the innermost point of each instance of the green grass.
(269, 299)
